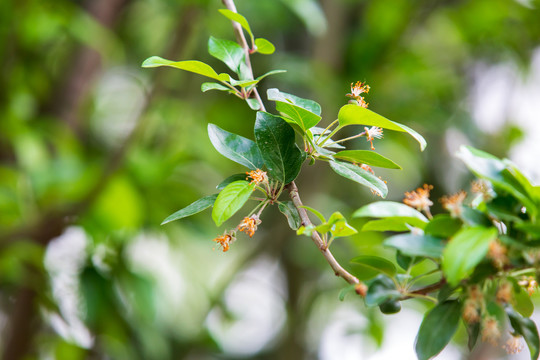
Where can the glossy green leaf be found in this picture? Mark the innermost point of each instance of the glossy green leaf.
(522, 302)
(437, 329)
(388, 224)
(315, 212)
(526, 328)
(273, 72)
(356, 115)
(294, 109)
(275, 139)
(306, 104)
(193, 66)
(253, 104)
(367, 157)
(243, 83)
(416, 245)
(214, 86)
(443, 226)
(230, 179)
(465, 250)
(375, 263)
(235, 147)
(231, 15)
(264, 46)
(389, 209)
(193, 208)
(288, 209)
(227, 51)
(339, 226)
(230, 200)
(380, 290)
(361, 176)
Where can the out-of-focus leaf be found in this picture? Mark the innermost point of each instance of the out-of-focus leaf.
(416, 245)
(390, 209)
(192, 209)
(522, 302)
(356, 115)
(442, 226)
(390, 307)
(345, 291)
(273, 72)
(380, 290)
(465, 250)
(230, 200)
(243, 83)
(227, 51)
(193, 66)
(253, 104)
(388, 224)
(361, 176)
(288, 209)
(311, 14)
(526, 328)
(437, 329)
(231, 15)
(264, 46)
(214, 86)
(275, 139)
(235, 147)
(367, 157)
(374, 264)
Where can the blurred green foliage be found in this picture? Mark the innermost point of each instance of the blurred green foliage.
(98, 151)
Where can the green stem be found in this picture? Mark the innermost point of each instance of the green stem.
(330, 135)
(421, 296)
(350, 137)
(328, 128)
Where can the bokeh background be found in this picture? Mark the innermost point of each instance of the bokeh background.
(95, 152)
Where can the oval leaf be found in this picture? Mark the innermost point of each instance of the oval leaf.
(306, 104)
(443, 226)
(231, 15)
(465, 250)
(214, 86)
(416, 245)
(227, 51)
(385, 209)
(193, 208)
(264, 46)
(356, 115)
(376, 263)
(367, 157)
(361, 176)
(235, 147)
(388, 224)
(275, 139)
(291, 213)
(230, 200)
(230, 179)
(193, 66)
(437, 329)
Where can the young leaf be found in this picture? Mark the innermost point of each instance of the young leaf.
(390, 209)
(214, 86)
(227, 51)
(437, 329)
(367, 157)
(416, 245)
(526, 328)
(231, 15)
(253, 104)
(235, 147)
(243, 83)
(193, 208)
(264, 46)
(315, 212)
(275, 139)
(465, 250)
(193, 66)
(273, 72)
(339, 227)
(289, 210)
(361, 176)
(356, 115)
(309, 105)
(230, 179)
(230, 200)
(375, 263)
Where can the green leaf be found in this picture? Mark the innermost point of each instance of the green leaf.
(345, 291)
(339, 227)
(437, 329)
(416, 245)
(235, 147)
(388, 224)
(214, 86)
(193, 66)
(389, 209)
(523, 303)
(315, 212)
(375, 264)
(361, 176)
(253, 104)
(231, 15)
(227, 51)
(264, 46)
(288, 209)
(526, 328)
(443, 226)
(230, 179)
(380, 290)
(390, 307)
(294, 109)
(367, 157)
(243, 83)
(356, 115)
(465, 250)
(273, 72)
(193, 208)
(306, 104)
(275, 139)
(230, 200)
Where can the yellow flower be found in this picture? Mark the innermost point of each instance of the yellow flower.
(453, 203)
(373, 133)
(257, 176)
(249, 225)
(224, 241)
(419, 199)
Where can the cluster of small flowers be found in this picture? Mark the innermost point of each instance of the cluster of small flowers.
(356, 93)
(419, 198)
(530, 284)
